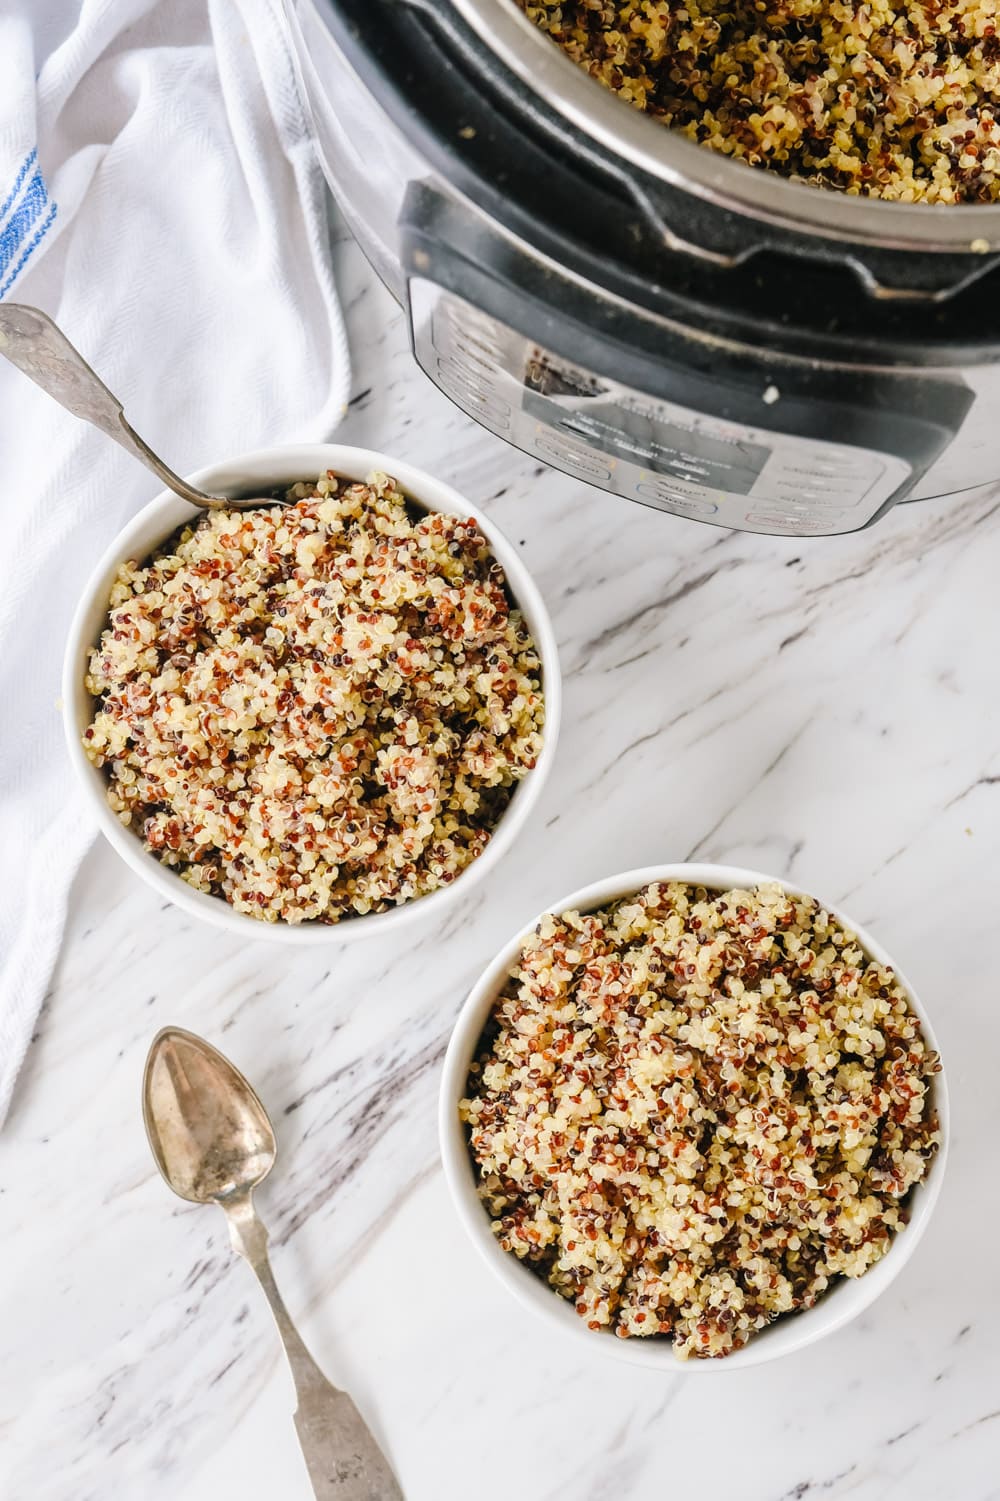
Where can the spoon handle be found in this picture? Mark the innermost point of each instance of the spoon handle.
(38, 347)
(343, 1459)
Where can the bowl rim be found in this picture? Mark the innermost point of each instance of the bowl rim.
(281, 463)
(799, 1331)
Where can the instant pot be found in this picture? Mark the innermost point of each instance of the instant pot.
(645, 314)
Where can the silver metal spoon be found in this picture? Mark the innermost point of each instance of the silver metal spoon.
(39, 348)
(213, 1143)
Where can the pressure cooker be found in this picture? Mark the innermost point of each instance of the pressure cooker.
(650, 316)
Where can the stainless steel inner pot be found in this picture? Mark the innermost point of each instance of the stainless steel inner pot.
(671, 157)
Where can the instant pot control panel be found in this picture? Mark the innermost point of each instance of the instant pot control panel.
(658, 452)
(653, 408)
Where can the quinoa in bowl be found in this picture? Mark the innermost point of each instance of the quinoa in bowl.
(319, 711)
(692, 1112)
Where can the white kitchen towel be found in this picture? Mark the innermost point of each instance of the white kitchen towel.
(161, 198)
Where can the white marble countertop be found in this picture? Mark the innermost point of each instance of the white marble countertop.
(827, 710)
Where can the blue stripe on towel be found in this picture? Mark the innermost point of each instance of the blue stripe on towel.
(26, 167)
(30, 249)
(22, 220)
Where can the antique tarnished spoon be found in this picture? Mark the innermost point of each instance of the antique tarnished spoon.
(213, 1143)
(38, 347)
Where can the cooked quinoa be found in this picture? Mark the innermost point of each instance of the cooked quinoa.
(693, 1111)
(890, 98)
(319, 710)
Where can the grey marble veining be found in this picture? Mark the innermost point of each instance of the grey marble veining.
(827, 710)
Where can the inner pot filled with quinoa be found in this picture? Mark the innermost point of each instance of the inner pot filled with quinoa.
(893, 99)
(319, 710)
(693, 1112)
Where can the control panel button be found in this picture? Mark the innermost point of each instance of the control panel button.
(687, 505)
(552, 446)
(474, 395)
(793, 524)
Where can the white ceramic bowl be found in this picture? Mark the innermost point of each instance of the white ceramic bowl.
(151, 527)
(844, 1300)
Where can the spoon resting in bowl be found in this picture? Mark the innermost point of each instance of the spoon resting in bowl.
(38, 347)
(213, 1143)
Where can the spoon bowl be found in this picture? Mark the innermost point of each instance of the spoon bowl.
(209, 1133)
